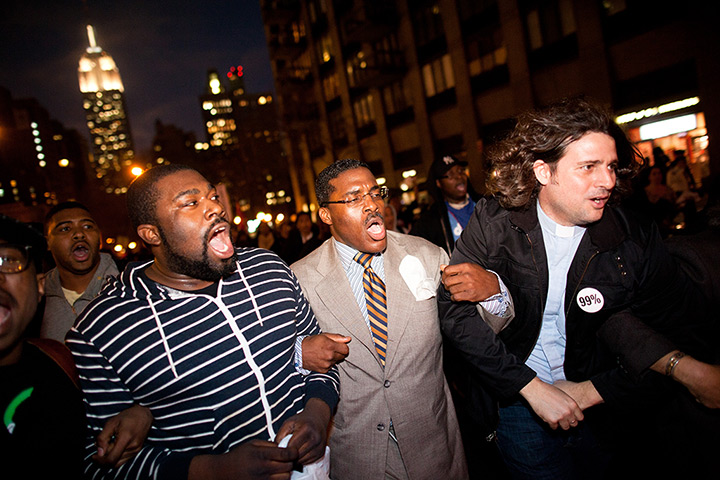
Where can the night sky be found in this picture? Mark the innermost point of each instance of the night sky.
(163, 50)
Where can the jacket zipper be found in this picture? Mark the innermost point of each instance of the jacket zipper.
(567, 310)
(537, 270)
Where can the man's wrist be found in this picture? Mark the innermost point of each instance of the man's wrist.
(673, 362)
(498, 303)
(589, 395)
(320, 409)
(298, 355)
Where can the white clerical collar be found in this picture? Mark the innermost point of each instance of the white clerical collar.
(550, 225)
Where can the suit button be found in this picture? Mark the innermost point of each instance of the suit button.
(381, 426)
(387, 384)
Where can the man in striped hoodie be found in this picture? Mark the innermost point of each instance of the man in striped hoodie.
(204, 337)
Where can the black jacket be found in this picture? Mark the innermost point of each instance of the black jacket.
(434, 224)
(619, 256)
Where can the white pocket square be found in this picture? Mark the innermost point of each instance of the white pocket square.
(417, 280)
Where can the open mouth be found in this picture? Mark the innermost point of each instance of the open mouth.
(375, 227)
(220, 241)
(81, 252)
(599, 202)
(5, 307)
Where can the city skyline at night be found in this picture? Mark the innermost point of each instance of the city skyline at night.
(163, 54)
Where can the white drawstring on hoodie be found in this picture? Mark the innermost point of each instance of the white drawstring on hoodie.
(240, 337)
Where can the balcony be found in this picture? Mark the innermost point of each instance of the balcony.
(280, 47)
(333, 104)
(340, 142)
(327, 67)
(369, 22)
(280, 11)
(561, 51)
(379, 69)
(292, 78)
(301, 113)
(400, 118)
(442, 100)
(319, 26)
(366, 131)
(317, 152)
(436, 47)
(482, 23)
(487, 80)
(638, 18)
(407, 159)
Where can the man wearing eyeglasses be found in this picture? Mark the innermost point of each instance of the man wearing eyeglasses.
(39, 403)
(395, 418)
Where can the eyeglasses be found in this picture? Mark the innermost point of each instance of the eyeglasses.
(14, 258)
(357, 200)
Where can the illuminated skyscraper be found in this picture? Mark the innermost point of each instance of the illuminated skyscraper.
(243, 140)
(106, 116)
(219, 113)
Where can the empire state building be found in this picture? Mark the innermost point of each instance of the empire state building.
(106, 116)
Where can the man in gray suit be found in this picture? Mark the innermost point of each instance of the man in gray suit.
(395, 418)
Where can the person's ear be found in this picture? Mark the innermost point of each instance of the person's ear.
(40, 285)
(542, 172)
(324, 214)
(149, 234)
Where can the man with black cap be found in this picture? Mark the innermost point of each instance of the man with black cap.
(40, 404)
(454, 202)
(442, 223)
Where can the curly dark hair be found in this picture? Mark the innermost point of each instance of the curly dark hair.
(323, 189)
(545, 134)
(142, 195)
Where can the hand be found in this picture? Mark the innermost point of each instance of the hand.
(309, 431)
(122, 436)
(584, 393)
(554, 406)
(321, 352)
(253, 460)
(468, 282)
(701, 379)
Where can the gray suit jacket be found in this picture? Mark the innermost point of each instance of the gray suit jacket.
(411, 389)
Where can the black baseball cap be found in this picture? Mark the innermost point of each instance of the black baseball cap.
(20, 233)
(441, 166)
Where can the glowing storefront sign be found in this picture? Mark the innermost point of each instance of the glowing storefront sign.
(668, 127)
(651, 112)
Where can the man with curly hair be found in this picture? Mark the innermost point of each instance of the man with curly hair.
(602, 313)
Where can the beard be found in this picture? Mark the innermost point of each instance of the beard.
(202, 268)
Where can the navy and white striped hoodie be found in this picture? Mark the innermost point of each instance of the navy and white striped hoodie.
(214, 371)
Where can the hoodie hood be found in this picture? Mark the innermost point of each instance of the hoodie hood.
(106, 269)
(132, 284)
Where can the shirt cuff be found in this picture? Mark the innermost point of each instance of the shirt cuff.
(497, 304)
(298, 355)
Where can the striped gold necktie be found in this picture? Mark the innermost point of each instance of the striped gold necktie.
(376, 304)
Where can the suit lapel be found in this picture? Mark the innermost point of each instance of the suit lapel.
(401, 301)
(335, 293)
